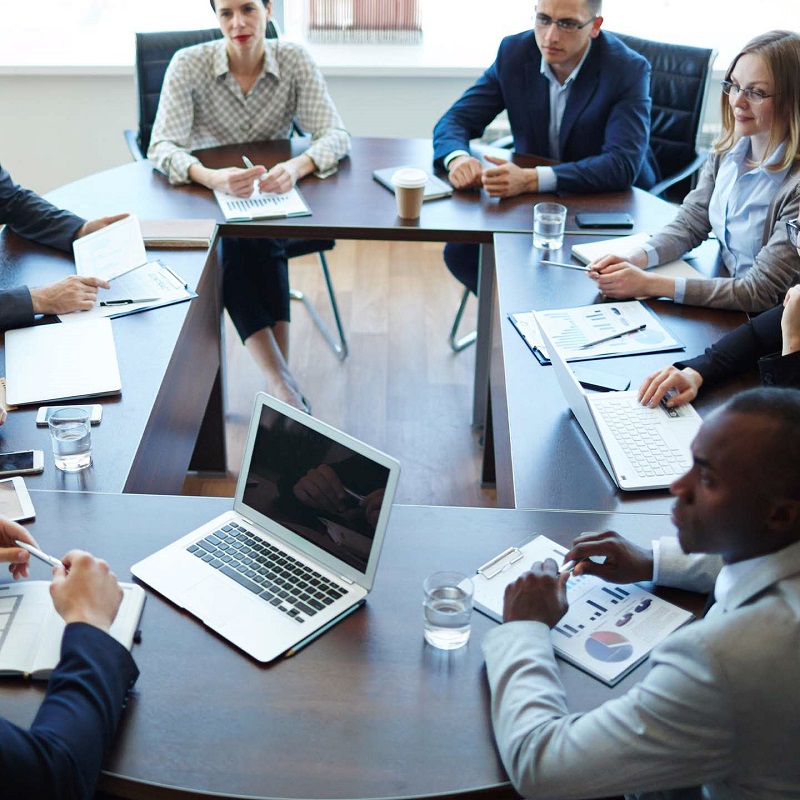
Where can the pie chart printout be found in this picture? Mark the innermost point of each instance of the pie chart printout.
(608, 646)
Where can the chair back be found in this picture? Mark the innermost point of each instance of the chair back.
(154, 51)
(679, 81)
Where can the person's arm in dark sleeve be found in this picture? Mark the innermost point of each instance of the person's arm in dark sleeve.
(61, 755)
(16, 308)
(739, 350)
(34, 218)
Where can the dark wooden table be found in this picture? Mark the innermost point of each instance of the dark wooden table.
(542, 458)
(169, 362)
(366, 711)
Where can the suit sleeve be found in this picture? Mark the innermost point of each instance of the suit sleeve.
(467, 118)
(16, 308)
(626, 138)
(739, 351)
(61, 755)
(672, 729)
(33, 217)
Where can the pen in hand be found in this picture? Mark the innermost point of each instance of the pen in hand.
(581, 267)
(611, 336)
(40, 554)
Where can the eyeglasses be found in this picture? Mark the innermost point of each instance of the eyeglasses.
(791, 231)
(751, 95)
(566, 25)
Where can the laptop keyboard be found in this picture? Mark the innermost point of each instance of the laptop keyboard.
(636, 430)
(269, 573)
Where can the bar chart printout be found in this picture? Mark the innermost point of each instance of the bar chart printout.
(608, 630)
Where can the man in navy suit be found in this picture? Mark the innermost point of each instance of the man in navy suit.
(61, 754)
(573, 94)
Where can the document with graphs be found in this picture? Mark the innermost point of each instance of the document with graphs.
(608, 630)
(262, 205)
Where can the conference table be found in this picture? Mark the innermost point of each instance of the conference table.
(368, 710)
(538, 455)
(171, 409)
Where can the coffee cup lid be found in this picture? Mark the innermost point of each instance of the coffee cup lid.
(409, 178)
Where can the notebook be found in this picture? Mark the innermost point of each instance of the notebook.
(31, 629)
(623, 245)
(299, 549)
(642, 448)
(49, 363)
(262, 205)
(435, 188)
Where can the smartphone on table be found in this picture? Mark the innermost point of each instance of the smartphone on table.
(21, 462)
(95, 413)
(611, 220)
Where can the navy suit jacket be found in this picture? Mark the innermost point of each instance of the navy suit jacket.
(605, 130)
(33, 217)
(60, 756)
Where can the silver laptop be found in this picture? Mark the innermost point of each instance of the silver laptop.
(298, 551)
(641, 447)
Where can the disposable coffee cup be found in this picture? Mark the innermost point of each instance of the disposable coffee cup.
(409, 186)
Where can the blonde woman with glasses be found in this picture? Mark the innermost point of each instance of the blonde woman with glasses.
(746, 193)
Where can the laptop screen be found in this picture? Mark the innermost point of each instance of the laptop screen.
(318, 488)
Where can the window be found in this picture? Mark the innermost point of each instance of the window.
(100, 32)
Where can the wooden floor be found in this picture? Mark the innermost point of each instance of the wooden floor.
(401, 389)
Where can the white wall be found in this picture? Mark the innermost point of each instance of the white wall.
(57, 128)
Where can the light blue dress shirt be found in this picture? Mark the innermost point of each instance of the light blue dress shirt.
(559, 94)
(737, 210)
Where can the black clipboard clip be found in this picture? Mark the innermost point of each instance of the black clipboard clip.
(500, 563)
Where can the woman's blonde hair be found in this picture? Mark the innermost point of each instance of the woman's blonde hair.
(781, 53)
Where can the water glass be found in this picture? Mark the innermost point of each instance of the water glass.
(447, 608)
(549, 221)
(71, 436)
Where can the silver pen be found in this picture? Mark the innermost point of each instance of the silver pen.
(248, 163)
(564, 264)
(567, 566)
(40, 554)
(614, 335)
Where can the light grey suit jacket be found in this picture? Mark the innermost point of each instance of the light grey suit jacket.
(720, 706)
(776, 268)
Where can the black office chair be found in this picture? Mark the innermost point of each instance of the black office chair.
(679, 79)
(154, 51)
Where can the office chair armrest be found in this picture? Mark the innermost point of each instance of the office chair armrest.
(133, 145)
(686, 172)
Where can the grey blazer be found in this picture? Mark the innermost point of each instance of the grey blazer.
(33, 217)
(777, 265)
(718, 709)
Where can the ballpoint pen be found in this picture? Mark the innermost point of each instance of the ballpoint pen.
(40, 554)
(567, 566)
(248, 163)
(127, 302)
(614, 335)
(564, 264)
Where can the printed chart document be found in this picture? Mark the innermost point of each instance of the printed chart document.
(116, 254)
(262, 205)
(624, 245)
(31, 630)
(572, 328)
(608, 630)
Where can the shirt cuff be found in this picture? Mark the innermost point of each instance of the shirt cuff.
(548, 180)
(656, 546)
(652, 255)
(179, 165)
(455, 154)
(680, 289)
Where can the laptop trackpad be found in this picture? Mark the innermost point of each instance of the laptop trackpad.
(205, 601)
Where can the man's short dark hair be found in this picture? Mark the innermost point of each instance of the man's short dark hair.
(213, 5)
(781, 406)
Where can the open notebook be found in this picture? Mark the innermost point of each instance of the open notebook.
(31, 630)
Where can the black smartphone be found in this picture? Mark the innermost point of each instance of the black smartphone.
(604, 220)
(602, 381)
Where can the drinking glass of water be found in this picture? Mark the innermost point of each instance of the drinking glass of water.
(446, 609)
(70, 434)
(549, 221)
